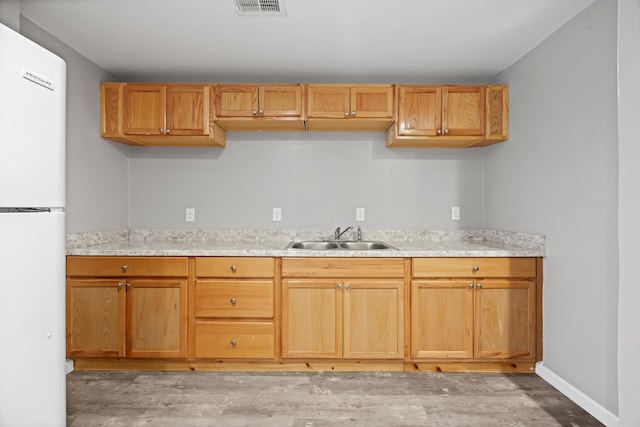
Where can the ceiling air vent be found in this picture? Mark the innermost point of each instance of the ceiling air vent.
(260, 7)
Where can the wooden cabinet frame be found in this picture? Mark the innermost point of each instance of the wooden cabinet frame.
(159, 114)
(326, 299)
(475, 308)
(321, 313)
(448, 116)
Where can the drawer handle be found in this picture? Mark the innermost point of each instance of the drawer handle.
(233, 301)
(233, 268)
(233, 342)
(475, 268)
(125, 268)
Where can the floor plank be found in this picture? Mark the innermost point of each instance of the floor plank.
(303, 399)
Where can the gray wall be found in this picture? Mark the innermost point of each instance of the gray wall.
(10, 14)
(629, 210)
(97, 170)
(318, 179)
(557, 175)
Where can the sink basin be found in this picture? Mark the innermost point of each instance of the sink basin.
(314, 245)
(364, 246)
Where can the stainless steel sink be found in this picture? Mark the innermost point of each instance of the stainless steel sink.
(315, 245)
(364, 246)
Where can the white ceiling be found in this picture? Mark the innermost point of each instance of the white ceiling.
(322, 41)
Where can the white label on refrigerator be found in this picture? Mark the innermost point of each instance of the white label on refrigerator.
(37, 78)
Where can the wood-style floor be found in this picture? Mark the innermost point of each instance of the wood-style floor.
(305, 399)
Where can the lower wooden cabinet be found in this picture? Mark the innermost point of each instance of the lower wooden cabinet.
(347, 317)
(304, 313)
(472, 316)
(234, 308)
(127, 314)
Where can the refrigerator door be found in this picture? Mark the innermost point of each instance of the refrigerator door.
(32, 319)
(32, 123)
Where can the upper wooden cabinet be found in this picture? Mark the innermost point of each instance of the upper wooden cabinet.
(446, 116)
(344, 107)
(449, 116)
(159, 114)
(259, 107)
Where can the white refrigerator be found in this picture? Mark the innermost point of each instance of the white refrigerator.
(32, 234)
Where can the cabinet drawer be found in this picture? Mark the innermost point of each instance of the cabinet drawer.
(106, 266)
(235, 340)
(234, 298)
(474, 267)
(235, 267)
(343, 267)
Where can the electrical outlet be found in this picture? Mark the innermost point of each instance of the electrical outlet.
(190, 215)
(455, 213)
(359, 214)
(277, 214)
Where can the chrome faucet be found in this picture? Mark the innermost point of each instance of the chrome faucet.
(338, 234)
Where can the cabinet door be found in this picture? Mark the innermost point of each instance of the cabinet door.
(371, 101)
(237, 101)
(157, 318)
(373, 319)
(462, 110)
(442, 319)
(188, 110)
(419, 110)
(504, 319)
(95, 318)
(280, 101)
(328, 101)
(144, 109)
(312, 318)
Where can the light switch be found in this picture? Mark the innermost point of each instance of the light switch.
(359, 214)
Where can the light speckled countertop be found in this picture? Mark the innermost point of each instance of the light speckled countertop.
(407, 243)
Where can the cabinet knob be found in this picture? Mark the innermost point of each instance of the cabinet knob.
(233, 342)
(439, 132)
(233, 301)
(470, 285)
(339, 285)
(479, 285)
(261, 112)
(168, 130)
(254, 112)
(161, 130)
(446, 131)
(125, 268)
(119, 285)
(233, 268)
(127, 285)
(346, 114)
(347, 286)
(353, 114)
(475, 268)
